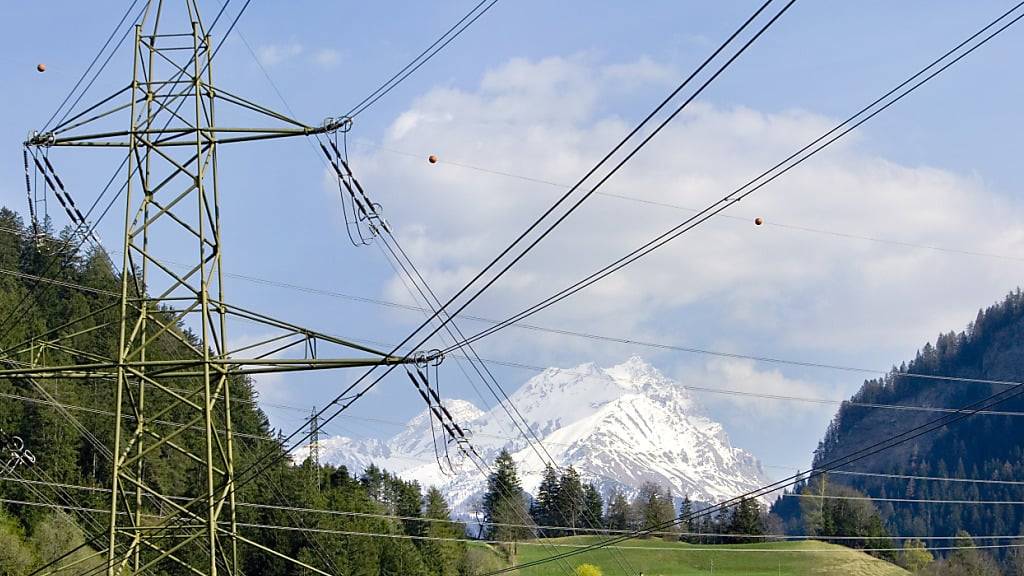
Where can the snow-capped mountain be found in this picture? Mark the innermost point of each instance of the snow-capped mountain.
(618, 426)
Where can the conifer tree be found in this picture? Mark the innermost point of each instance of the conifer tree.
(571, 499)
(441, 557)
(688, 524)
(504, 504)
(593, 508)
(746, 518)
(544, 509)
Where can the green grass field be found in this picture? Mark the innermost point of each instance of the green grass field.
(660, 558)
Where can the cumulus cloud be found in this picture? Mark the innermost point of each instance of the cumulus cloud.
(274, 54)
(812, 293)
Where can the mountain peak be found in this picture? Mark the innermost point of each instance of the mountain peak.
(635, 370)
(618, 426)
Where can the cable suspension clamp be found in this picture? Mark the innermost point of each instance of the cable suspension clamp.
(425, 358)
(15, 453)
(375, 221)
(331, 124)
(36, 138)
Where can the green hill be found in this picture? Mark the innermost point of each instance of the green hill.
(984, 446)
(660, 558)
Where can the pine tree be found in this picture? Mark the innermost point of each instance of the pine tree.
(689, 525)
(441, 557)
(746, 518)
(593, 508)
(544, 509)
(571, 499)
(504, 504)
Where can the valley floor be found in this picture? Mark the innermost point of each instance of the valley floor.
(661, 558)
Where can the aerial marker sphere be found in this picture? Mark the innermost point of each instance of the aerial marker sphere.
(41, 67)
(432, 159)
(758, 221)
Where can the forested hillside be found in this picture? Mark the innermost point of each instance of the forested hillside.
(57, 503)
(985, 447)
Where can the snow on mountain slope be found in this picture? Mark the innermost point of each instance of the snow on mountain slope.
(618, 426)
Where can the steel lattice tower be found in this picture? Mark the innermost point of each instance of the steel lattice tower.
(172, 205)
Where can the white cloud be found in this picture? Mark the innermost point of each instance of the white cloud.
(748, 390)
(643, 71)
(813, 294)
(274, 54)
(326, 57)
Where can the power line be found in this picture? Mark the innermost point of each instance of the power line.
(93, 63)
(451, 34)
(745, 219)
(787, 482)
(52, 402)
(928, 478)
(591, 336)
(545, 329)
(768, 396)
(405, 265)
(792, 161)
(681, 548)
(730, 392)
(907, 500)
(345, 399)
(428, 520)
(538, 542)
(857, 455)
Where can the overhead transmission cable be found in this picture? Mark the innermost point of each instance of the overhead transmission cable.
(619, 166)
(746, 219)
(451, 34)
(686, 549)
(95, 59)
(410, 270)
(345, 399)
(83, 234)
(363, 209)
(854, 403)
(824, 468)
(845, 127)
(426, 520)
(342, 176)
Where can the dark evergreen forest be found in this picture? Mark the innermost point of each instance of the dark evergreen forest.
(51, 415)
(981, 447)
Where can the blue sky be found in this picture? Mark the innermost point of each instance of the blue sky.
(541, 90)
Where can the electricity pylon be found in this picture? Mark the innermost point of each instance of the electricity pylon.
(172, 213)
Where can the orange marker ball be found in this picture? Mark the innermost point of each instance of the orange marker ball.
(41, 67)
(758, 221)
(432, 159)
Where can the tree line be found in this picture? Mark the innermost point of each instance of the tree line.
(422, 542)
(565, 505)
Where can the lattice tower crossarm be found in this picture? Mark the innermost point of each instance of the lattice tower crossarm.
(172, 204)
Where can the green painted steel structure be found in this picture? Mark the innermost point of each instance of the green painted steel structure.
(172, 206)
